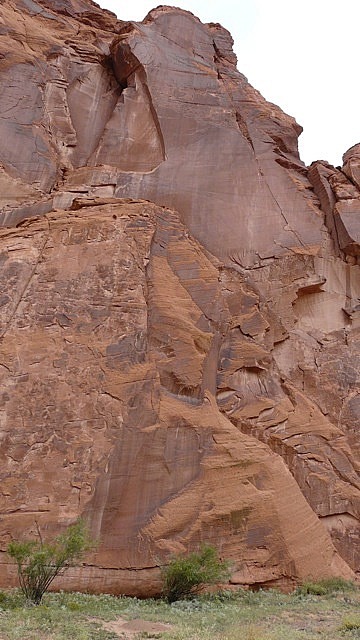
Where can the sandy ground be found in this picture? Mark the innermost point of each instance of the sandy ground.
(130, 628)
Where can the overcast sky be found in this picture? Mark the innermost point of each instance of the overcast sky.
(301, 55)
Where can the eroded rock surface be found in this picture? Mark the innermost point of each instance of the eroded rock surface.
(179, 297)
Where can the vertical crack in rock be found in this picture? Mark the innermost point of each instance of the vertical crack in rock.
(222, 64)
(132, 139)
(339, 195)
(243, 128)
(92, 98)
(24, 288)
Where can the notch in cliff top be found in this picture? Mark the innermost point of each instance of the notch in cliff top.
(132, 139)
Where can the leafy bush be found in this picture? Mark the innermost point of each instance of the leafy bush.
(185, 575)
(351, 623)
(39, 562)
(325, 587)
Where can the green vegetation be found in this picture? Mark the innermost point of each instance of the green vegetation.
(39, 562)
(325, 586)
(186, 575)
(241, 615)
(351, 623)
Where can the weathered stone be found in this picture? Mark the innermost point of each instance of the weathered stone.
(351, 166)
(347, 222)
(339, 195)
(110, 413)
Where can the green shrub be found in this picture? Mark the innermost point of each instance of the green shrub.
(325, 586)
(185, 575)
(39, 562)
(351, 623)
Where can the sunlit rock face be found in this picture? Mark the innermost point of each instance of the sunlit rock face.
(179, 306)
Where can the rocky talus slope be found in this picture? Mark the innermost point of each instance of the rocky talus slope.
(179, 306)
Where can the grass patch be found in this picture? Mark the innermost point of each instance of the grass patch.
(325, 587)
(227, 615)
(351, 623)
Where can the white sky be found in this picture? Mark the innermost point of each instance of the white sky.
(300, 54)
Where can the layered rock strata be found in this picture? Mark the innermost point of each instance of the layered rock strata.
(179, 334)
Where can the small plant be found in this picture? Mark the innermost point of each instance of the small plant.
(325, 586)
(351, 623)
(13, 599)
(185, 575)
(39, 562)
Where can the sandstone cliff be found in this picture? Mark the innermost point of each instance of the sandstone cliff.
(179, 305)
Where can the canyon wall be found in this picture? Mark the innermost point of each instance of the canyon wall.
(179, 311)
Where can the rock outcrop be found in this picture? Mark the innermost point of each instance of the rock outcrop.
(179, 325)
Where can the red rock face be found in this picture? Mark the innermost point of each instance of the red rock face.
(179, 334)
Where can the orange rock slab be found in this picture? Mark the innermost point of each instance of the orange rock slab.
(105, 418)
